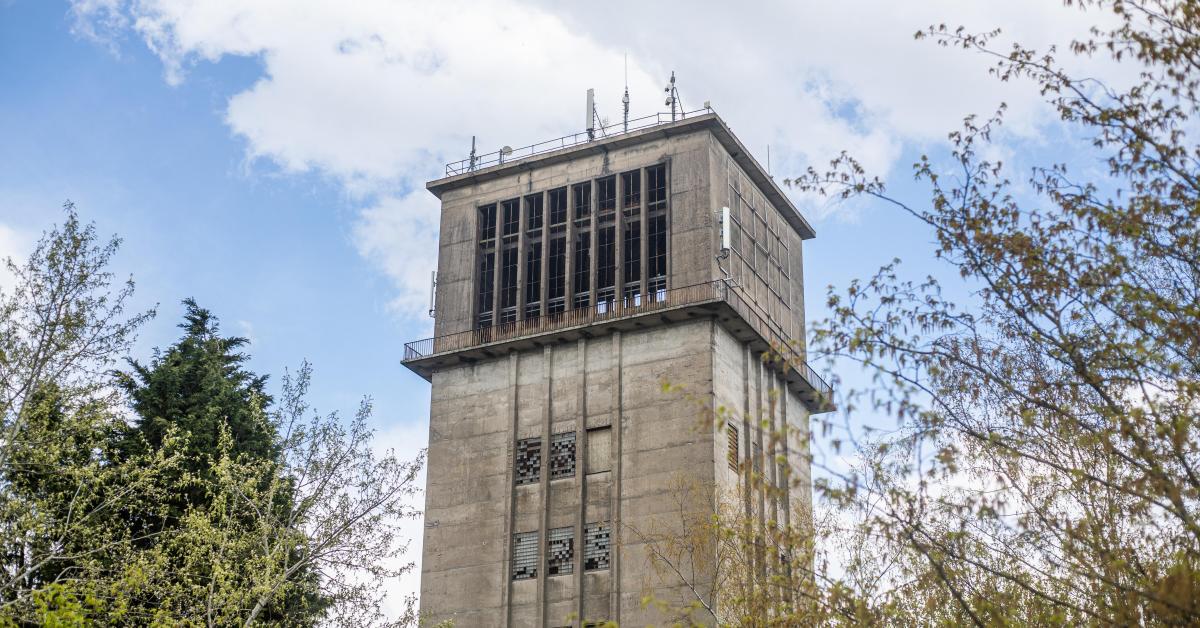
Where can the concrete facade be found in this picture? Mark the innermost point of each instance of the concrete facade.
(504, 410)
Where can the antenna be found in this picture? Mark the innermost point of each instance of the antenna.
(591, 114)
(472, 166)
(625, 100)
(432, 292)
(673, 99)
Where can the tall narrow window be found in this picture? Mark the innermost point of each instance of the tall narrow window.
(533, 280)
(656, 187)
(485, 299)
(558, 206)
(487, 222)
(524, 555)
(631, 189)
(562, 455)
(508, 284)
(528, 460)
(606, 194)
(583, 268)
(512, 216)
(533, 212)
(656, 252)
(556, 287)
(583, 199)
(633, 263)
(595, 546)
(560, 554)
(606, 268)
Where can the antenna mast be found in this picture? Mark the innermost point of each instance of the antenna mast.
(673, 97)
(625, 100)
(472, 167)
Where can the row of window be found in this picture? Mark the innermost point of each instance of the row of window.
(499, 298)
(560, 551)
(529, 458)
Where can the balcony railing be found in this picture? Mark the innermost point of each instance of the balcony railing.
(603, 131)
(710, 292)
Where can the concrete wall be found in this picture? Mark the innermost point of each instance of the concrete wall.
(472, 506)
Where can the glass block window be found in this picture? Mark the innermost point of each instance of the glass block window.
(562, 455)
(525, 556)
(595, 546)
(529, 460)
(560, 551)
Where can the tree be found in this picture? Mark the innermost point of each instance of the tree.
(1047, 467)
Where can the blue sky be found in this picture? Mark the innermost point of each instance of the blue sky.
(268, 159)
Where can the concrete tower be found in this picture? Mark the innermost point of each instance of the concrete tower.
(572, 282)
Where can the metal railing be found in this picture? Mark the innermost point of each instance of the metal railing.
(619, 309)
(601, 132)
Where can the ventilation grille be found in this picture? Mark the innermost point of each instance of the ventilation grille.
(529, 460)
(562, 455)
(525, 556)
(595, 546)
(732, 455)
(560, 554)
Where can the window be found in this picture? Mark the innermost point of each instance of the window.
(487, 222)
(583, 267)
(656, 188)
(525, 556)
(599, 449)
(512, 216)
(556, 288)
(485, 299)
(562, 455)
(528, 460)
(558, 206)
(583, 199)
(606, 194)
(533, 280)
(633, 258)
(508, 283)
(731, 456)
(606, 268)
(560, 554)
(656, 251)
(595, 546)
(631, 189)
(533, 213)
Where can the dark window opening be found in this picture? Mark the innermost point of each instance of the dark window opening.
(595, 546)
(631, 189)
(533, 279)
(556, 287)
(583, 266)
(632, 281)
(606, 260)
(583, 199)
(606, 194)
(562, 455)
(508, 279)
(512, 216)
(560, 555)
(485, 299)
(529, 460)
(558, 206)
(656, 253)
(656, 188)
(487, 223)
(533, 212)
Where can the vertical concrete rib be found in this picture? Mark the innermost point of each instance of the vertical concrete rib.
(511, 507)
(618, 429)
(580, 475)
(544, 483)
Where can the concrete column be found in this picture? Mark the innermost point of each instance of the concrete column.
(544, 481)
(581, 471)
(618, 429)
(670, 226)
(511, 507)
(544, 284)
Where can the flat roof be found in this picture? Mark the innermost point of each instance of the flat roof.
(707, 121)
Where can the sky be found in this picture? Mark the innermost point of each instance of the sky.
(268, 157)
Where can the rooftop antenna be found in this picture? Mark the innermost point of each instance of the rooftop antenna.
(472, 166)
(625, 99)
(673, 97)
(591, 114)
